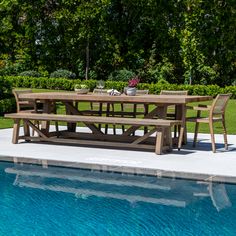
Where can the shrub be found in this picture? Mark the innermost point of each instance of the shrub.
(67, 84)
(30, 73)
(5, 88)
(7, 105)
(42, 82)
(10, 68)
(63, 74)
(121, 75)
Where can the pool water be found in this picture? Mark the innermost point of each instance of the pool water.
(61, 201)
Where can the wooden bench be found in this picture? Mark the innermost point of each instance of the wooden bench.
(162, 127)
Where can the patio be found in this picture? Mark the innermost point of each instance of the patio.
(199, 163)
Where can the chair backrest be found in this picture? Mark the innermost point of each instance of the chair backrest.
(219, 104)
(142, 91)
(18, 92)
(100, 91)
(173, 92)
(21, 103)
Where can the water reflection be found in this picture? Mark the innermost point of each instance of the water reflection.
(84, 184)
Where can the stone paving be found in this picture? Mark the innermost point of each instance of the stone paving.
(190, 162)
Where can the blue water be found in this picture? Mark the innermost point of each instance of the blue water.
(60, 201)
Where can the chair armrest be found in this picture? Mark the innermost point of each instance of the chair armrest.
(202, 107)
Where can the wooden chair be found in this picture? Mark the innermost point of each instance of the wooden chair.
(133, 110)
(102, 108)
(216, 114)
(98, 105)
(30, 106)
(24, 105)
(172, 111)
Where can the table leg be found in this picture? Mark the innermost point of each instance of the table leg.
(45, 124)
(70, 109)
(70, 126)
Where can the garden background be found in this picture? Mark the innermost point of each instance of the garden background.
(177, 45)
(187, 41)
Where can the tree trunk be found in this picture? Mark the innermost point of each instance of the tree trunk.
(87, 60)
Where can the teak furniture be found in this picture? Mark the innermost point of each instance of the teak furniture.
(172, 110)
(133, 110)
(30, 106)
(73, 115)
(24, 105)
(216, 114)
(157, 126)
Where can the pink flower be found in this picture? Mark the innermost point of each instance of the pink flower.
(133, 82)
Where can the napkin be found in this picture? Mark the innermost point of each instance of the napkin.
(113, 92)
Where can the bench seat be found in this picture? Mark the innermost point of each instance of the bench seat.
(94, 119)
(160, 126)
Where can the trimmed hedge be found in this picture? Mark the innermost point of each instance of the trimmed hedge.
(7, 105)
(67, 84)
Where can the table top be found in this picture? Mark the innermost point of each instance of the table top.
(90, 97)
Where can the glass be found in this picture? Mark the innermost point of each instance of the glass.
(100, 85)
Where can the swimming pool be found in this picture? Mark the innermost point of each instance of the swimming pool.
(62, 201)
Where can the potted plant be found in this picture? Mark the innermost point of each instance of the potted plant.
(81, 88)
(131, 89)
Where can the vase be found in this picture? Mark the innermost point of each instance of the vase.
(131, 91)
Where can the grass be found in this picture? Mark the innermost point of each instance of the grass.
(230, 117)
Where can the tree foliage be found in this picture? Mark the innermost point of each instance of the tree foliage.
(188, 41)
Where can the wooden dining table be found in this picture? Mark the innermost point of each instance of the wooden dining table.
(158, 109)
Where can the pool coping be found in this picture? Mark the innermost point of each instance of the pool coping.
(121, 169)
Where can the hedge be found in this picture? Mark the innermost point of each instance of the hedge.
(7, 105)
(67, 84)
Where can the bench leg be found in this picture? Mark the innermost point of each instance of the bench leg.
(159, 141)
(27, 129)
(168, 138)
(16, 130)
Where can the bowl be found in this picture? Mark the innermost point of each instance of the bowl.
(82, 91)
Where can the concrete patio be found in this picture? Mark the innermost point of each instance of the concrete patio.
(196, 163)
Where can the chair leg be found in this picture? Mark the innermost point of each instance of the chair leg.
(107, 114)
(122, 110)
(113, 112)
(54, 111)
(57, 128)
(100, 114)
(134, 114)
(195, 134)
(212, 137)
(224, 133)
(181, 136)
(196, 129)
(145, 113)
(175, 131)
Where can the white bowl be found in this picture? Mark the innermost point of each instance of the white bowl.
(82, 91)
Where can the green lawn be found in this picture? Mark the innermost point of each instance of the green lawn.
(230, 117)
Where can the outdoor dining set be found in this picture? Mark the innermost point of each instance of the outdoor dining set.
(144, 121)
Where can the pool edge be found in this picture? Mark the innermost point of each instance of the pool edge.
(121, 169)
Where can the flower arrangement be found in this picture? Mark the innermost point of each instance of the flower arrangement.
(133, 82)
(131, 89)
(81, 86)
